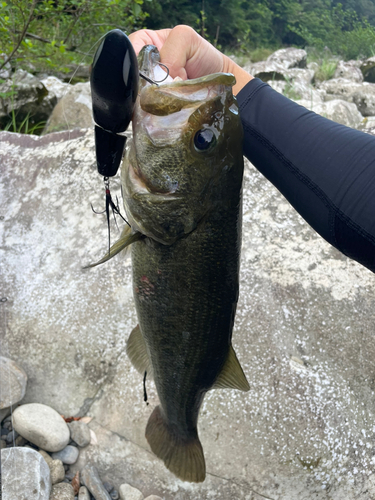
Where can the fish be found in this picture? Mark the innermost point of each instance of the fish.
(182, 189)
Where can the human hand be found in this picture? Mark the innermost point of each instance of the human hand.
(187, 55)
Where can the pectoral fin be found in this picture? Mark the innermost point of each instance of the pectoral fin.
(126, 239)
(232, 375)
(137, 351)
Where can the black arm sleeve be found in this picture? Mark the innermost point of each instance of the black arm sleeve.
(325, 170)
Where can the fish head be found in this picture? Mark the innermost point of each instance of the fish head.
(185, 155)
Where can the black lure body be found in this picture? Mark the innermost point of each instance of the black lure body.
(114, 88)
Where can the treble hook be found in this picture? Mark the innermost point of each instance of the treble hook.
(109, 203)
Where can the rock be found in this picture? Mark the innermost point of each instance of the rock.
(25, 475)
(340, 88)
(83, 493)
(364, 99)
(41, 425)
(80, 433)
(368, 69)
(297, 90)
(368, 122)
(27, 96)
(289, 57)
(57, 471)
(13, 382)
(62, 491)
(4, 413)
(3, 444)
(6, 71)
(114, 494)
(11, 437)
(349, 70)
(73, 110)
(55, 86)
(153, 497)
(90, 478)
(67, 455)
(339, 111)
(127, 492)
(46, 457)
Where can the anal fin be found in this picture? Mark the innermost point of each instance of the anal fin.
(137, 352)
(231, 375)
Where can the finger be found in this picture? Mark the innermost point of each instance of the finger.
(148, 37)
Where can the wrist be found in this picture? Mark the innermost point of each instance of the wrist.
(242, 76)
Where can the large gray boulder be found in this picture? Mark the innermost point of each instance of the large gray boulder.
(74, 109)
(336, 110)
(303, 333)
(25, 475)
(26, 96)
(349, 70)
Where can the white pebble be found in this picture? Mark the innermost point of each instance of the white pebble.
(127, 492)
(42, 426)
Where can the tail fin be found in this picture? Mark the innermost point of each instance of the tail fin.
(182, 456)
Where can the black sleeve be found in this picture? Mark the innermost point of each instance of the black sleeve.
(325, 170)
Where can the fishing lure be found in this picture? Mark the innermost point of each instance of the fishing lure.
(114, 82)
(114, 88)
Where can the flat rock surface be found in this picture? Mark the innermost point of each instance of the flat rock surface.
(25, 475)
(304, 334)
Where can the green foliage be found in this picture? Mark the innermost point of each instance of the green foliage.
(54, 33)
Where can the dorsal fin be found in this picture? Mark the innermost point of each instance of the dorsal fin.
(232, 375)
(137, 352)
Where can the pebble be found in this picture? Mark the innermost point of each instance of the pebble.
(13, 382)
(11, 437)
(25, 474)
(114, 495)
(2, 444)
(68, 455)
(20, 441)
(107, 486)
(90, 478)
(41, 425)
(57, 471)
(83, 493)
(62, 491)
(4, 413)
(80, 433)
(127, 492)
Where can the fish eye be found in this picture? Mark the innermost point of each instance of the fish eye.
(204, 139)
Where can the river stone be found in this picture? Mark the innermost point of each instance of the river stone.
(337, 110)
(127, 492)
(67, 455)
(27, 96)
(25, 475)
(289, 57)
(62, 491)
(83, 493)
(73, 110)
(41, 425)
(349, 70)
(55, 86)
(368, 69)
(90, 478)
(13, 382)
(80, 433)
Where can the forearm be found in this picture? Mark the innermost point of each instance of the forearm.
(325, 170)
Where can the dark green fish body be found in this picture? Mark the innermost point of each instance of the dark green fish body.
(182, 180)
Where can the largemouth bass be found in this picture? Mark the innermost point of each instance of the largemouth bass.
(181, 180)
